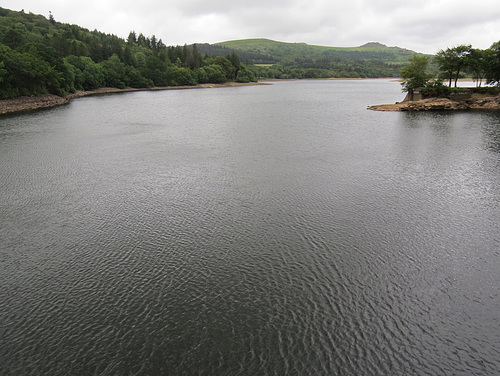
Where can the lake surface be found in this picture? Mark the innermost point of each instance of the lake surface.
(260, 230)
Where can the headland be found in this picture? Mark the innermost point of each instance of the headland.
(476, 101)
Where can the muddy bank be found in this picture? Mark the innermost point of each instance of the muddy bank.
(474, 102)
(21, 104)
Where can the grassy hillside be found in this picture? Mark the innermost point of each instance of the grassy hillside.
(272, 59)
(274, 51)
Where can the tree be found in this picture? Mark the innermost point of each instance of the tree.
(226, 65)
(153, 42)
(212, 73)
(235, 60)
(477, 64)
(15, 36)
(185, 54)
(128, 57)
(3, 72)
(141, 40)
(155, 69)
(27, 74)
(445, 62)
(493, 65)
(452, 61)
(245, 75)
(88, 75)
(132, 38)
(51, 18)
(114, 72)
(415, 74)
(195, 60)
(181, 76)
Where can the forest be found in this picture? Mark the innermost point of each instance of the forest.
(39, 55)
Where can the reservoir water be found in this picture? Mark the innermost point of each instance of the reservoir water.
(261, 230)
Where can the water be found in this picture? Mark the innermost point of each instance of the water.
(265, 230)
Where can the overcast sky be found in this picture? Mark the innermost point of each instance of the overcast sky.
(423, 26)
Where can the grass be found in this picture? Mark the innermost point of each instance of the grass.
(283, 50)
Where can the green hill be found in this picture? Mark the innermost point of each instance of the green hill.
(309, 61)
(279, 51)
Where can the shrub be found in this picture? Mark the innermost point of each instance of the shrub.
(486, 90)
(435, 89)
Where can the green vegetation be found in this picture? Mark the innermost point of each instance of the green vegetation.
(454, 63)
(415, 74)
(436, 89)
(39, 55)
(300, 60)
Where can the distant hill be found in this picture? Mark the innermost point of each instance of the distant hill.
(273, 59)
(269, 51)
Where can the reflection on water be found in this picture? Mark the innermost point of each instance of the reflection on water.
(279, 229)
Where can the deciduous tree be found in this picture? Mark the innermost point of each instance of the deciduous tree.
(415, 74)
(493, 65)
(452, 61)
(477, 64)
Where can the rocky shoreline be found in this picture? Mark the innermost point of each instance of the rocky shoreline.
(21, 104)
(474, 102)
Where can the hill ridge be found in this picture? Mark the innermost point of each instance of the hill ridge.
(240, 43)
(302, 60)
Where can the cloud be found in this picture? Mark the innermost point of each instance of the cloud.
(424, 26)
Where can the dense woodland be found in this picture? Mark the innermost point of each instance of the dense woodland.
(39, 55)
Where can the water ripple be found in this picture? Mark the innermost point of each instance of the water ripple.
(232, 241)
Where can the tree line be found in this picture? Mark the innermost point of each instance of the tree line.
(39, 55)
(452, 63)
(328, 66)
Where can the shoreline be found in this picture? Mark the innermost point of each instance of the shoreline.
(485, 102)
(26, 104)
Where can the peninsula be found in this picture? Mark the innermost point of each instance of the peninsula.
(474, 101)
